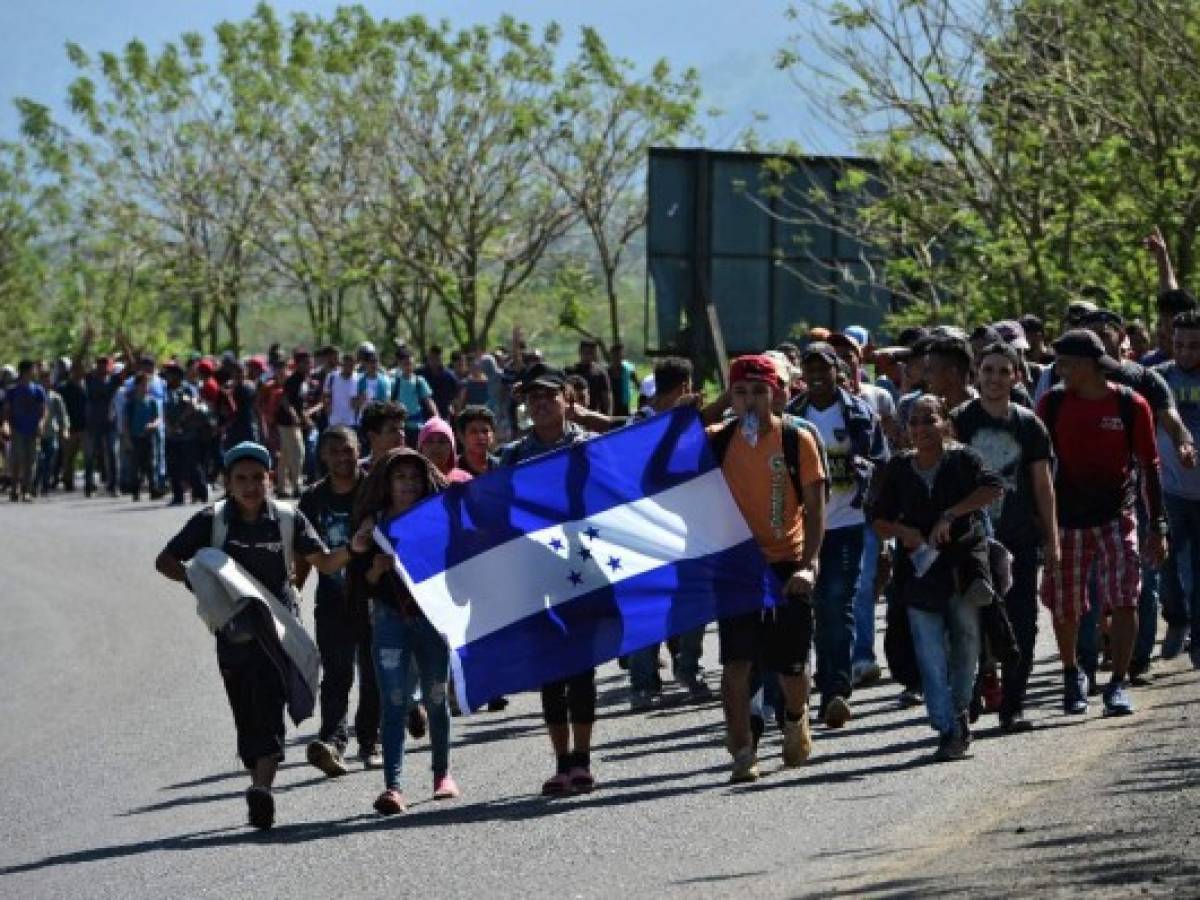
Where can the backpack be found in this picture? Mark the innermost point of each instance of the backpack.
(791, 450)
(284, 514)
(1125, 407)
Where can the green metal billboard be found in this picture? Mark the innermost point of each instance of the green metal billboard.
(763, 238)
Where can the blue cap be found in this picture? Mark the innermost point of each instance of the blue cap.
(859, 334)
(246, 450)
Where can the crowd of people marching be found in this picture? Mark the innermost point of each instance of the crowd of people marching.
(960, 478)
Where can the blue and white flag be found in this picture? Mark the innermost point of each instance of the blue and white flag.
(544, 570)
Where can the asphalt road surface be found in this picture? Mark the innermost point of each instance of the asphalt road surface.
(120, 779)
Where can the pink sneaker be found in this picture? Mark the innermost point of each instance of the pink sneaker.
(445, 788)
(390, 802)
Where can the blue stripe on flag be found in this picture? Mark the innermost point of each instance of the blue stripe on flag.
(595, 627)
(566, 485)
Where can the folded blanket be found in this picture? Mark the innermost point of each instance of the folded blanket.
(223, 589)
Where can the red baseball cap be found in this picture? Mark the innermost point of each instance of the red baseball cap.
(755, 368)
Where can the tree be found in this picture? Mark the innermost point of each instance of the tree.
(607, 122)
(162, 151)
(23, 252)
(1024, 147)
(462, 165)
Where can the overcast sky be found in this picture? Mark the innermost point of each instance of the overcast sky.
(731, 43)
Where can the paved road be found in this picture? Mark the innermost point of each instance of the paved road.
(120, 780)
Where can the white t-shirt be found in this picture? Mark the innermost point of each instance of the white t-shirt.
(342, 390)
(832, 426)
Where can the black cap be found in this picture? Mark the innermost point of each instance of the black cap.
(1103, 317)
(910, 336)
(542, 375)
(987, 334)
(1032, 323)
(820, 350)
(1085, 344)
(1077, 309)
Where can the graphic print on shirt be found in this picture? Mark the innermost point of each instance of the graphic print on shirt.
(1002, 453)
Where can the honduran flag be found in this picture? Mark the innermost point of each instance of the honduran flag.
(543, 570)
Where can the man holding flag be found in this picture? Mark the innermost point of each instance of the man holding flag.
(578, 550)
(568, 704)
(774, 472)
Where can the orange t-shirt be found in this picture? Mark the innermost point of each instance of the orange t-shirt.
(762, 488)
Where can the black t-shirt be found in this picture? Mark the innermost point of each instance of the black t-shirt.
(1146, 382)
(1008, 447)
(74, 398)
(256, 546)
(330, 514)
(599, 387)
(100, 391)
(243, 425)
(295, 397)
(444, 385)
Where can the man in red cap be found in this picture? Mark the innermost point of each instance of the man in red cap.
(777, 479)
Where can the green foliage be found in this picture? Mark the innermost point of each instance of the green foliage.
(1026, 147)
(398, 175)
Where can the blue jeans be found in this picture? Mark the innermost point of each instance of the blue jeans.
(947, 647)
(1181, 606)
(864, 600)
(643, 664)
(833, 609)
(398, 641)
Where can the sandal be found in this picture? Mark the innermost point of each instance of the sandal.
(557, 785)
(582, 780)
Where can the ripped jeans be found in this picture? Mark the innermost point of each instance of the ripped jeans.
(397, 642)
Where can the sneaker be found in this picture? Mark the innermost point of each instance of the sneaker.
(837, 712)
(327, 758)
(797, 741)
(1014, 723)
(1172, 644)
(865, 672)
(557, 785)
(418, 724)
(1075, 693)
(991, 692)
(260, 807)
(909, 698)
(745, 767)
(581, 779)
(640, 701)
(698, 690)
(954, 745)
(390, 802)
(370, 757)
(1117, 701)
(445, 788)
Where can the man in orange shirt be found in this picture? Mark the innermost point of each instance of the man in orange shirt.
(776, 477)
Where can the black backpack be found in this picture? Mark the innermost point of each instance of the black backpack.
(1125, 406)
(791, 449)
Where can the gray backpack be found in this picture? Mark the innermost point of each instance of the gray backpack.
(283, 512)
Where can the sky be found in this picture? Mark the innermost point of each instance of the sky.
(731, 44)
